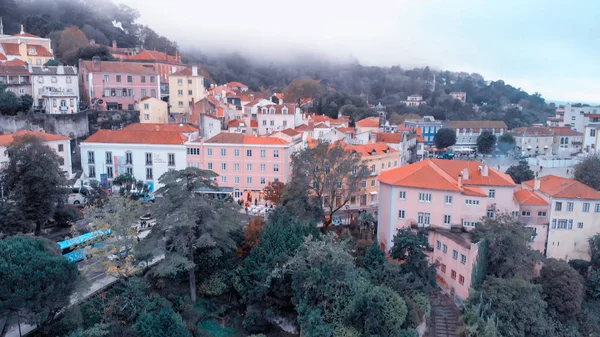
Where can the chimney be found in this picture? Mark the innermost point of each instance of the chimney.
(60, 69)
(459, 180)
(114, 44)
(194, 71)
(1, 27)
(92, 42)
(465, 173)
(22, 30)
(537, 183)
(484, 169)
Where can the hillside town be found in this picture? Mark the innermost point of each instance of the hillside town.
(270, 158)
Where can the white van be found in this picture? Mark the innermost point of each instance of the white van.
(78, 195)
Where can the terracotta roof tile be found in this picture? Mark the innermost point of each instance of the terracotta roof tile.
(253, 124)
(368, 122)
(13, 70)
(238, 138)
(532, 131)
(321, 126)
(291, 132)
(39, 51)
(559, 187)
(15, 62)
(26, 35)
(304, 128)
(388, 137)
(236, 84)
(369, 149)
(152, 55)
(565, 131)
(347, 130)
(185, 128)
(6, 139)
(440, 174)
(122, 67)
(188, 72)
(10, 48)
(2, 57)
(235, 123)
(137, 137)
(474, 191)
(529, 198)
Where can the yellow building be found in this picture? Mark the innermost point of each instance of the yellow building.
(185, 87)
(153, 110)
(26, 47)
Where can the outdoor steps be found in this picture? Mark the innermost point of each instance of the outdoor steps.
(444, 317)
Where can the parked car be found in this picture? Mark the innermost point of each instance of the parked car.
(78, 195)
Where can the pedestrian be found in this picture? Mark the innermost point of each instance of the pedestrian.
(246, 210)
(567, 171)
(498, 167)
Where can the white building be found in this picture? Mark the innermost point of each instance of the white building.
(580, 117)
(55, 90)
(60, 144)
(146, 151)
(414, 100)
(272, 118)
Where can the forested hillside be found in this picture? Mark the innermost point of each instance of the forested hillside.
(340, 84)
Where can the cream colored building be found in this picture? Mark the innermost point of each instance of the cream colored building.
(533, 140)
(153, 110)
(574, 216)
(185, 88)
(26, 47)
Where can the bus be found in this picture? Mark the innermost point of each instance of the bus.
(219, 193)
(72, 248)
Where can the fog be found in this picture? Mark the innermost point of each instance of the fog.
(548, 46)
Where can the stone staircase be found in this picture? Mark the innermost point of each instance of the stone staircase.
(444, 317)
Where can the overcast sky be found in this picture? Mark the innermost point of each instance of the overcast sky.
(550, 46)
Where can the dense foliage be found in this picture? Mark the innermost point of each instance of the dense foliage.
(520, 172)
(444, 138)
(586, 171)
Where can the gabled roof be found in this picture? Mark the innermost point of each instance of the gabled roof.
(291, 132)
(39, 51)
(235, 123)
(68, 70)
(172, 127)
(152, 55)
(23, 34)
(440, 174)
(370, 149)
(6, 139)
(532, 131)
(304, 128)
(137, 137)
(388, 137)
(559, 187)
(13, 70)
(236, 84)
(369, 122)
(565, 131)
(321, 126)
(478, 124)
(529, 198)
(15, 62)
(10, 48)
(347, 130)
(186, 72)
(291, 108)
(238, 138)
(121, 67)
(2, 57)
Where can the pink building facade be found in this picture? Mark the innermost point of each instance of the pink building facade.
(245, 163)
(117, 85)
(534, 212)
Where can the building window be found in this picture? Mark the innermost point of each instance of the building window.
(373, 168)
(180, 92)
(363, 184)
(438, 245)
(92, 171)
(148, 158)
(143, 92)
(423, 218)
(443, 268)
(275, 167)
(180, 104)
(580, 225)
(569, 207)
(542, 214)
(109, 157)
(272, 123)
(53, 79)
(425, 197)
(236, 152)
(129, 78)
(209, 166)
(189, 81)
(236, 167)
(402, 195)
(570, 225)
(61, 147)
(224, 166)
(455, 254)
(444, 248)
(146, 117)
(109, 171)
(492, 194)
(453, 274)
(248, 167)
(263, 180)
(149, 173)
(469, 223)
(143, 78)
(209, 152)
(224, 179)
(275, 153)
(193, 151)
(263, 153)
(118, 78)
(597, 208)
(402, 214)
(461, 279)
(248, 153)
(264, 123)
(91, 159)
(448, 200)
(586, 206)
(248, 180)
(189, 92)
(526, 213)
(372, 182)
(558, 206)
(463, 259)
(146, 106)
(263, 167)
(447, 219)
(171, 160)
(129, 170)
(128, 158)
(236, 180)
(153, 92)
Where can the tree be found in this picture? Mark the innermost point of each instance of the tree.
(474, 320)
(191, 223)
(51, 63)
(594, 242)
(252, 235)
(562, 289)
(33, 179)
(12, 220)
(160, 320)
(302, 88)
(70, 41)
(36, 280)
(506, 142)
(586, 171)
(520, 172)
(379, 311)
(9, 102)
(26, 103)
(88, 52)
(126, 182)
(486, 142)
(273, 192)
(508, 252)
(331, 172)
(516, 304)
(408, 247)
(444, 138)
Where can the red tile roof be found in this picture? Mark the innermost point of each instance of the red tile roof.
(137, 137)
(321, 126)
(291, 132)
(388, 137)
(532, 131)
(237, 138)
(235, 122)
(3, 57)
(10, 48)
(253, 124)
(529, 198)
(278, 108)
(236, 84)
(369, 149)
(347, 130)
(325, 118)
(474, 191)
(368, 122)
(15, 62)
(39, 51)
(26, 35)
(184, 128)
(122, 67)
(6, 139)
(440, 174)
(6, 69)
(559, 187)
(565, 131)
(187, 72)
(304, 128)
(152, 55)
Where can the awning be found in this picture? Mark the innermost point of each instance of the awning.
(373, 193)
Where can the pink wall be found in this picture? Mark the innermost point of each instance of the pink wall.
(539, 223)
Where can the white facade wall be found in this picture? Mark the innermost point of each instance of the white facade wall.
(57, 93)
(61, 147)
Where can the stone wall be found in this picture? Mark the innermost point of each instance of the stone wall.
(112, 120)
(71, 125)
